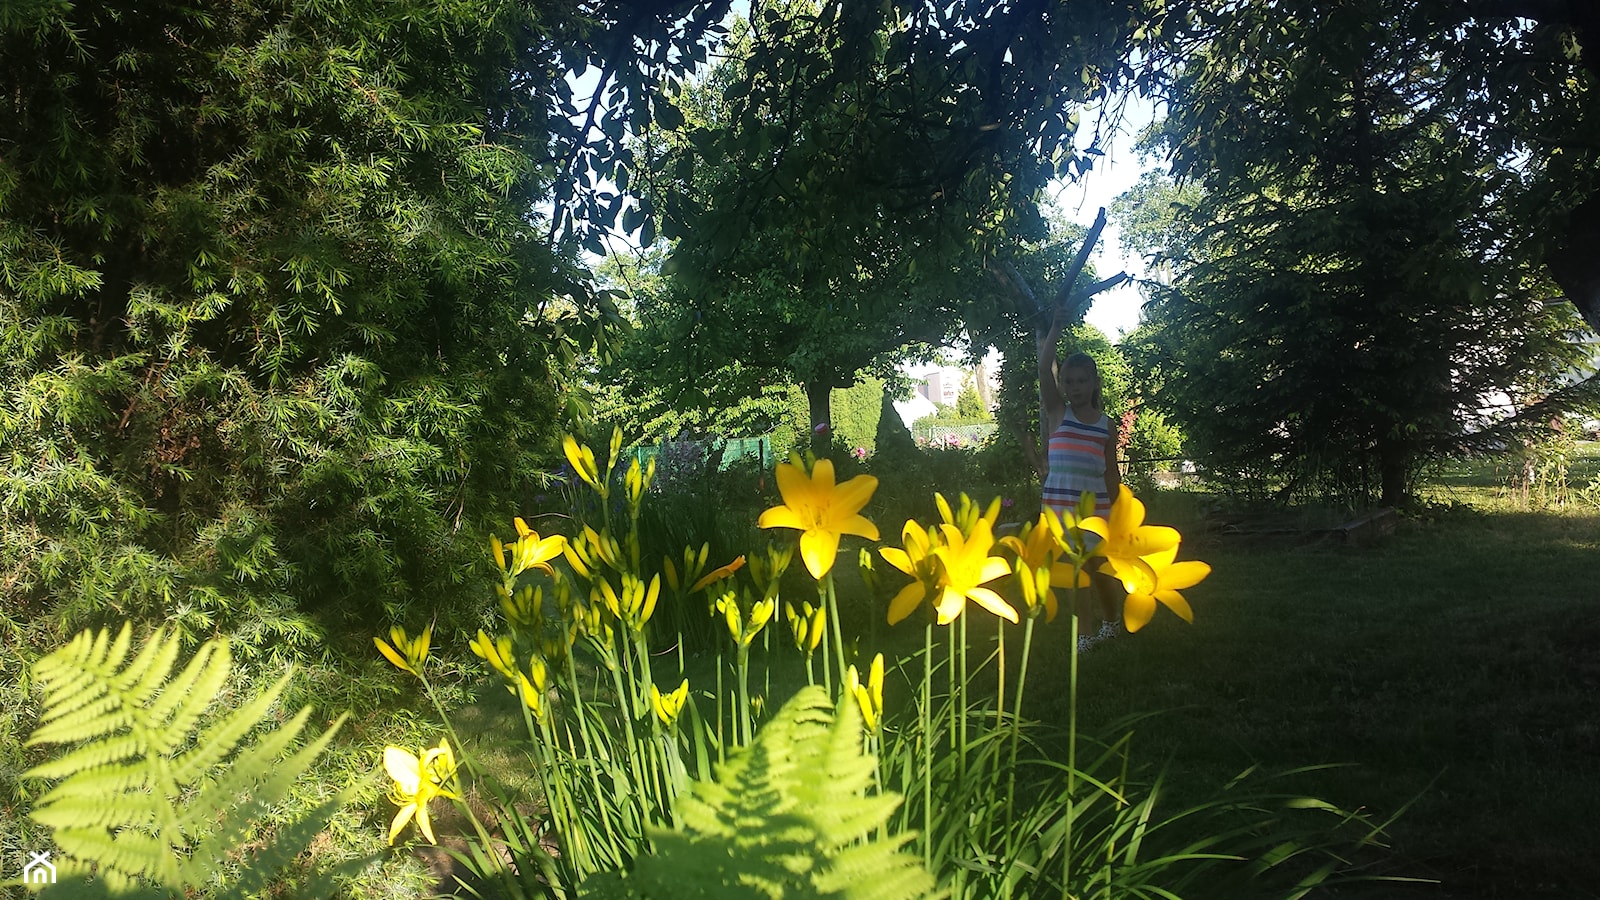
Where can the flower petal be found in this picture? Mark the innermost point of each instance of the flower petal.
(857, 525)
(906, 602)
(849, 498)
(1182, 575)
(405, 769)
(794, 486)
(782, 517)
(1137, 611)
(993, 567)
(1175, 602)
(423, 824)
(898, 558)
(1127, 512)
(991, 601)
(951, 603)
(400, 820)
(819, 548)
(1147, 540)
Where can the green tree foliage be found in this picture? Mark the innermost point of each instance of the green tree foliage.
(157, 795)
(840, 181)
(277, 317)
(1521, 88)
(648, 385)
(1345, 302)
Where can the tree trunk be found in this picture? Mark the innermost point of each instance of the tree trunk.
(818, 392)
(1574, 260)
(1394, 464)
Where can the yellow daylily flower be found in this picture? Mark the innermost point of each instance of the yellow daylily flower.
(530, 686)
(719, 573)
(416, 781)
(868, 697)
(965, 565)
(821, 510)
(1125, 537)
(1039, 549)
(669, 706)
(966, 514)
(1157, 578)
(916, 560)
(524, 611)
(634, 604)
(407, 655)
(531, 551)
(766, 570)
(638, 480)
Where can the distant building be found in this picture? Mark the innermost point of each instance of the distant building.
(941, 385)
(915, 408)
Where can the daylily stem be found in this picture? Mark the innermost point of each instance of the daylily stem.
(926, 753)
(1000, 692)
(833, 620)
(625, 705)
(1072, 744)
(961, 707)
(744, 694)
(1016, 715)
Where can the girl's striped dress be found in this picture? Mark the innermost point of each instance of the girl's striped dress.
(1077, 458)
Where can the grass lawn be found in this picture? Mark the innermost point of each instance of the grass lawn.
(1455, 666)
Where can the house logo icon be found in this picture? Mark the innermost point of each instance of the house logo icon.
(40, 870)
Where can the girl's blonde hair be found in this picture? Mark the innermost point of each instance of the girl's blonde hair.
(1085, 361)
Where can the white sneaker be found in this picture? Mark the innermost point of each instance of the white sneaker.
(1108, 630)
(1086, 643)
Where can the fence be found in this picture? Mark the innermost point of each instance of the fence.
(952, 435)
(681, 455)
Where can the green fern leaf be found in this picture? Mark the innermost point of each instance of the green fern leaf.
(129, 806)
(791, 816)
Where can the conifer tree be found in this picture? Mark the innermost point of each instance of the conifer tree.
(279, 317)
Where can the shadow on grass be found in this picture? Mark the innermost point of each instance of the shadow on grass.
(1455, 666)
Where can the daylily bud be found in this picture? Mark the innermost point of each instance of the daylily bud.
(615, 450)
(651, 595)
(668, 706)
(496, 652)
(582, 460)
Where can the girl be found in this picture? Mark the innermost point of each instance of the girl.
(1080, 456)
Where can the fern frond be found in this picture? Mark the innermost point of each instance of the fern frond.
(222, 736)
(260, 794)
(790, 816)
(286, 846)
(73, 676)
(133, 809)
